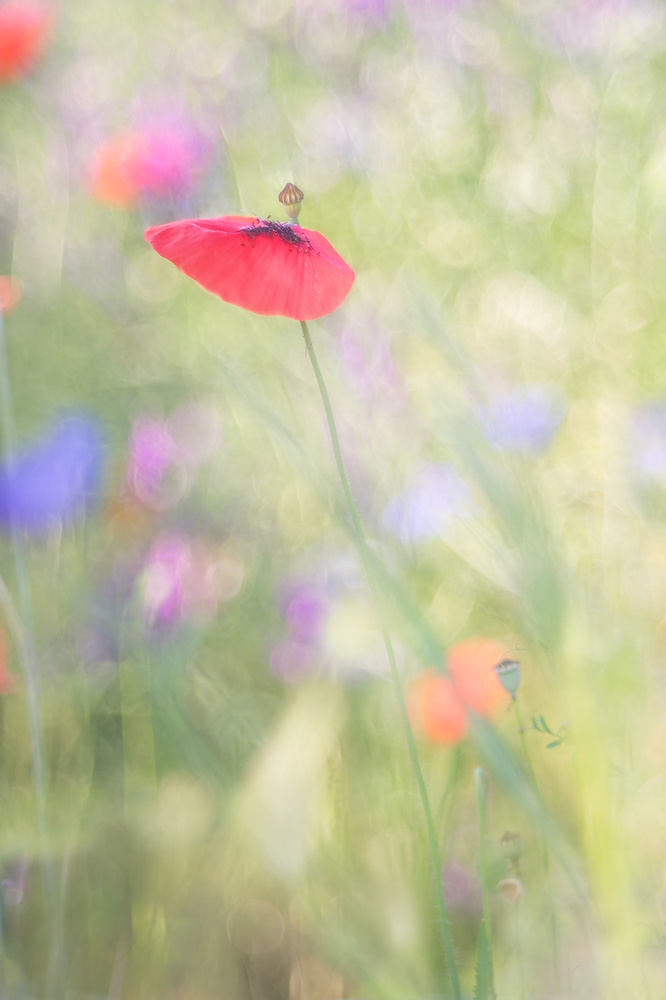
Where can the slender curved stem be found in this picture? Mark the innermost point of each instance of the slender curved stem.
(22, 628)
(362, 546)
(545, 854)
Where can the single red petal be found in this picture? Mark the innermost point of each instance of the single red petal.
(274, 269)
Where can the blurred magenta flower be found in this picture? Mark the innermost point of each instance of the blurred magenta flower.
(329, 623)
(151, 454)
(146, 164)
(438, 495)
(270, 268)
(24, 32)
(183, 580)
(163, 452)
(55, 479)
(523, 420)
(462, 890)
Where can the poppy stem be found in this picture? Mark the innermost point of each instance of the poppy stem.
(364, 552)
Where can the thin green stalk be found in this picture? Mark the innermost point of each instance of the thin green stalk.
(27, 648)
(545, 854)
(481, 783)
(395, 676)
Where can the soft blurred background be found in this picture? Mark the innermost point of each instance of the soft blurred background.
(205, 789)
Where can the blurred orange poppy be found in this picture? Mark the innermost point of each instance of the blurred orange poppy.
(435, 710)
(472, 668)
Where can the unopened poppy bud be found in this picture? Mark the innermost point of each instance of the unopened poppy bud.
(513, 846)
(508, 672)
(291, 197)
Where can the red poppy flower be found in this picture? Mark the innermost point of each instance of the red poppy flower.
(472, 668)
(271, 268)
(24, 28)
(435, 709)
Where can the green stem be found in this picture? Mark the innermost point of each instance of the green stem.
(25, 635)
(364, 552)
(544, 853)
(481, 783)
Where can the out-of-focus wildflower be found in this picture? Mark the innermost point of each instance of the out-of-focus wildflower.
(24, 32)
(7, 678)
(55, 479)
(523, 420)
(10, 293)
(148, 164)
(370, 366)
(270, 268)
(162, 453)
(472, 669)
(330, 625)
(648, 444)
(435, 709)
(15, 883)
(462, 890)
(437, 496)
(182, 580)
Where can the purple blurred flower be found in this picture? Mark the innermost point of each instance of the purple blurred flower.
(162, 453)
(371, 368)
(15, 883)
(437, 496)
(462, 890)
(182, 580)
(306, 612)
(525, 419)
(151, 453)
(329, 625)
(55, 479)
(648, 443)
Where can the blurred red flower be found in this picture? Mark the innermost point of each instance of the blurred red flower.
(437, 703)
(472, 668)
(435, 710)
(159, 161)
(10, 293)
(271, 268)
(24, 30)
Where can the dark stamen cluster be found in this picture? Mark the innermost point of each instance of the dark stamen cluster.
(283, 230)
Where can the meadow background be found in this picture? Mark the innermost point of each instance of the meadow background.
(226, 808)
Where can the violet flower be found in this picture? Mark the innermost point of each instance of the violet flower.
(54, 480)
(437, 496)
(525, 419)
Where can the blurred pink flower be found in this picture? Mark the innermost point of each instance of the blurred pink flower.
(148, 164)
(163, 453)
(179, 582)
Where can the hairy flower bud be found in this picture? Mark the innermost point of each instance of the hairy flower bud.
(291, 197)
